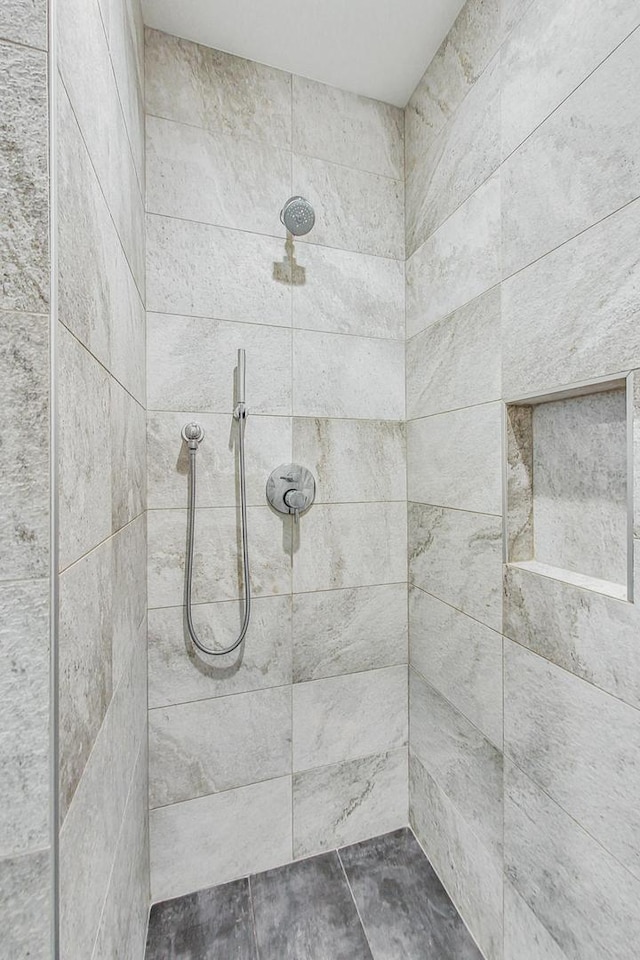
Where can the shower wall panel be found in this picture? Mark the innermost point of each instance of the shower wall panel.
(297, 743)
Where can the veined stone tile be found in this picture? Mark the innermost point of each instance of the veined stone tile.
(581, 894)
(191, 363)
(636, 454)
(347, 802)
(512, 13)
(217, 91)
(525, 938)
(455, 459)
(203, 270)
(466, 767)
(573, 315)
(129, 586)
(217, 571)
(354, 210)
(177, 673)
(221, 837)
(591, 635)
(25, 894)
(465, 866)
(328, 729)
(456, 361)
(460, 657)
(352, 460)
(362, 629)
(458, 262)
(457, 556)
(346, 292)
(332, 124)
(252, 742)
(24, 202)
(24, 21)
(589, 761)
(337, 376)
(128, 456)
(579, 166)
(537, 73)
(330, 550)
(195, 174)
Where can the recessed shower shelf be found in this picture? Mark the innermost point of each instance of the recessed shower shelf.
(607, 587)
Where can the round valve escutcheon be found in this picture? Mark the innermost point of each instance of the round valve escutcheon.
(291, 489)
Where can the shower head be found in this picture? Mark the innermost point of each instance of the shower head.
(297, 215)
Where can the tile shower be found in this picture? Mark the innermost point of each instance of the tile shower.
(455, 355)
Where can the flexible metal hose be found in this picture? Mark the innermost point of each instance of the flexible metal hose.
(193, 450)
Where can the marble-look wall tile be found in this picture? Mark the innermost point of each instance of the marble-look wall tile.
(252, 742)
(589, 764)
(587, 633)
(25, 899)
(578, 167)
(354, 210)
(462, 862)
(466, 767)
(221, 837)
(24, 21)
(519, 542)
(217, 567)
(128, 461)
(198, 175)
(129, 589)
(456, 361)
(512, 13)
(24, 202)
(177, 673)
(581, 894)
(337, 376)
(181, 377)
(572, 316)
(636, 452)
(347, 802)
(332, 124)
(460, 657)
(458, 262)
(457, 556)
(362, 629)
(538, 74)
(525, 938)
(331, 551)
(208, 88)
(326, 728)
(347, 292)
(267, 443)
(207, 271)
(24, 507)
(454, 459)
(352, 460)
(24, 716)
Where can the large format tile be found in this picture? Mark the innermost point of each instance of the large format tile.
(177, 673)
(346, 802)
(306, 910)
(460, 657)
(581, 745)
(211, 923)
(352, 460)
(404, 908)
(456, 361)
(208, 88)
(203, 270)
(24, 21)
(221, 837)
(252, 742)
(573, 315)
(457, 556)
(26, 884)
(128, 456)
(326, 727)
(338, 376)
(331, 551)
(525, 938)
(581, 894)
(332, 124)
(346, 631)
(24, 202)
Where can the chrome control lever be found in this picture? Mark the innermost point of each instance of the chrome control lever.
(291, 489)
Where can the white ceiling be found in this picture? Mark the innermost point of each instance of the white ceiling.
(379, 48)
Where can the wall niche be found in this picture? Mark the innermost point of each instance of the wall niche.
(568, 485)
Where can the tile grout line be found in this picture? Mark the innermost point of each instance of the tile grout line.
(253, 918)
(355, 903)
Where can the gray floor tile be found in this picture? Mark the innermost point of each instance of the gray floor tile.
(304, 911)
(405, 910)
(214, 924)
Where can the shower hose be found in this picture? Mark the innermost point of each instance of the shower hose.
(240, 415)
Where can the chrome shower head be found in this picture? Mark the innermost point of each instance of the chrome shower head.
(297, 215)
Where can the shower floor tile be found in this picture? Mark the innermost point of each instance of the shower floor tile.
(375, 900)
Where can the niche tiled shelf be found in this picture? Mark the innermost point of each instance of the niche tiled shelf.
(568, 511)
